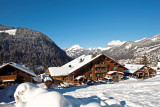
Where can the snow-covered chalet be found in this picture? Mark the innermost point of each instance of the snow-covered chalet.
(11, 73)
(139, 71)
(90, 67)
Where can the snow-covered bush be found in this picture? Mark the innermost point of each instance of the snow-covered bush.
(29, 95)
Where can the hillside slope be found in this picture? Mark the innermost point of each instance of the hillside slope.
(30, 48)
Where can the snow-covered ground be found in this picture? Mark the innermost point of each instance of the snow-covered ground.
(128, 93)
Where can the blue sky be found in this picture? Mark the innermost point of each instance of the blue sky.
(89, 23)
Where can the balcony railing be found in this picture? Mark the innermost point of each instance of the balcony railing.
(101, 71)
(101, 65)
(8, 77)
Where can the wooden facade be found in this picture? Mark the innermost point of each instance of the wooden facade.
(93, 70)
(10, 75)
(144, 72)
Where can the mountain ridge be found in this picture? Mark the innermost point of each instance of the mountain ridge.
(127, 51)
(32, 49)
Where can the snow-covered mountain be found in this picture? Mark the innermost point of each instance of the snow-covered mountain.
(115, 43)
(76, 50)
(125, 52)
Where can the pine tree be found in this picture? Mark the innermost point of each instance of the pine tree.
(145, 60)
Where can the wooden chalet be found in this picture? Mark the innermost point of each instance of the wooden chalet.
(144, 72)
(90, 67)
(12, 73)
(139, 71)
(131, 69)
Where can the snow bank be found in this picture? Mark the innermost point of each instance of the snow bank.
(6, 95)
(29, 95)
(113, 103)
(91, 105)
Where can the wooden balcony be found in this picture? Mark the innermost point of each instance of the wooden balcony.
(101, 65)
(8, 77)
(101, 71)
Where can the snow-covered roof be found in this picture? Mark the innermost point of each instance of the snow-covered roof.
(158, 64)
(132, 67)
(154, 68)
(79, 77)
(8, 80)
(111, 72)
(20, 67)
(47, 79)
(37, 79)
(72, 65)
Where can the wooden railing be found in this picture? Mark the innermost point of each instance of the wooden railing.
(101, 71)
(9, 77)
(101, 65)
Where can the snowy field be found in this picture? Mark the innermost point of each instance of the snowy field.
(128, 93)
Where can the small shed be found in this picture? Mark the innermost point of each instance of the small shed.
(114, 75)
(80, 80)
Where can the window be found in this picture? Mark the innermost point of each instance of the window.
(64, 78)
(89, 75)
(97, 69)
(9, 73)
(97, 75)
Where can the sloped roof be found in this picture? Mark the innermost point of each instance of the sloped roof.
(111, 72)
(132, 68)
(20, 67)
(72, 65)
